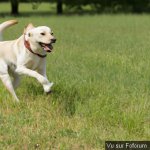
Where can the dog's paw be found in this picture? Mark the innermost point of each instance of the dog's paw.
(47, 87)
(47, 93)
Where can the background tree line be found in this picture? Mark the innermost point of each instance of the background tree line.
(111, 6)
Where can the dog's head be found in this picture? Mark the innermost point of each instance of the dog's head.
(40, 37)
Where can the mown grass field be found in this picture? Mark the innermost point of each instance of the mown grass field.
(101, 69)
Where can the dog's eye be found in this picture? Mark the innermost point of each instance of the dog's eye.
(52, 33)
(42, 33)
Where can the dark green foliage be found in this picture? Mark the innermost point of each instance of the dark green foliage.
(108, 6)
(136, 6)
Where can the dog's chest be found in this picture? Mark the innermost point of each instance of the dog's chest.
(33, 63)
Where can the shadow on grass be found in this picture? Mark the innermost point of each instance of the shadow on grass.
(65, 97)
(32, 88)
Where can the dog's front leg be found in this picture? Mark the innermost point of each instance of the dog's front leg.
(16, 80)
(47, 88)
(43, 80)
(42, 70)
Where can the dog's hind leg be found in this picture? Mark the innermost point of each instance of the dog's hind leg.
(4, 76)
(7, 82)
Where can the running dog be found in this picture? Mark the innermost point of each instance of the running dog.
(25, 56)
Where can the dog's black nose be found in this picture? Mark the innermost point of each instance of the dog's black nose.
(53, 40)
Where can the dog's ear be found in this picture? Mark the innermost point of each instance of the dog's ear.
(28, 27)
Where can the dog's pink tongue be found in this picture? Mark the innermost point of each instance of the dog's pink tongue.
(46, 48)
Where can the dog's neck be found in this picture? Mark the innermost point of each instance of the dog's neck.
(27, 45)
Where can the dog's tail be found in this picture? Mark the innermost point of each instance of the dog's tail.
(5, 25)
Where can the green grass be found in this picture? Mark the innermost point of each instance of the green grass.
(101, 70)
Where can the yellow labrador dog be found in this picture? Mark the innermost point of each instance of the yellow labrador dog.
(26, 55)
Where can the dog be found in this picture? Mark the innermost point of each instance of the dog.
(25, 56)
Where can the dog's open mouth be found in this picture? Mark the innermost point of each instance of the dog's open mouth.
(46, 47)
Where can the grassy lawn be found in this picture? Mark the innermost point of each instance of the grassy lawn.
(101, 73)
